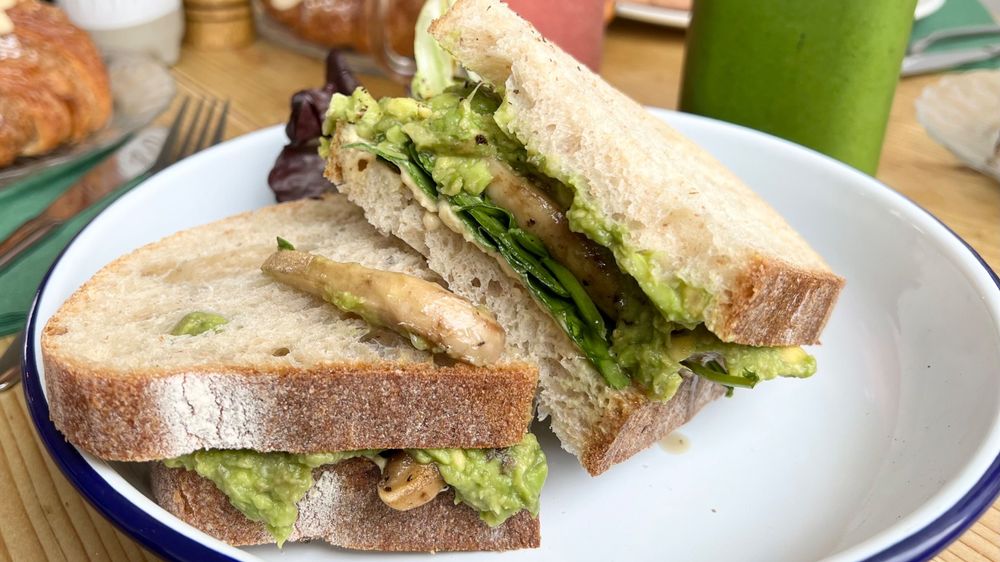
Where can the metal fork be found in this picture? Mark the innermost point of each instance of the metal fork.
(184, 138)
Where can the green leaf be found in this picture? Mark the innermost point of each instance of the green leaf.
(593, 345)
(403, 162)
(750, 379)
(521, 260)
(284, 244)
(576, 292)
(423, 159)
(435, 67)
(529, 242)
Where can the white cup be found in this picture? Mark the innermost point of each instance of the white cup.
(152, 27)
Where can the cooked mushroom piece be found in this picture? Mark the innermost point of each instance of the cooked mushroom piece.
(407, 484)
(429, 315)
(538, 214)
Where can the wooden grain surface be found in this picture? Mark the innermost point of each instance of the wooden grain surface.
(43, 517)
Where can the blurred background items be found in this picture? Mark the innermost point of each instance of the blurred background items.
(382, 31)
(820, 73)
(152, 27)
(54, 87)
(218, 24)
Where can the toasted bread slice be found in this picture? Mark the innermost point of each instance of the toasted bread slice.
(343, 508)
(598, 424)
(693, 220)
(288, 372)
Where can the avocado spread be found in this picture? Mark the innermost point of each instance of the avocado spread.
(444, 146)
(198, 322)
(263, 486)
(267, 486)
(456, 128)
(495, 482)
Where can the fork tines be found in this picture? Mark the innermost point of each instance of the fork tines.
(205, 128)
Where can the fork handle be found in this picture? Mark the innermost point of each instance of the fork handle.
(25, 237)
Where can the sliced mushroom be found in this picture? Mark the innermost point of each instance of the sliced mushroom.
(407, 484)
(537, 213)
(426, 313)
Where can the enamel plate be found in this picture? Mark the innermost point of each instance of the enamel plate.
(889, 452)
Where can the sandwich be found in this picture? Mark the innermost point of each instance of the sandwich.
(653, 279)
(289, 374)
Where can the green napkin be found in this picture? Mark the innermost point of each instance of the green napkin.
(20, 202)
(958, 13)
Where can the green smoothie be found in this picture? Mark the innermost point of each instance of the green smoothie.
(820, 73)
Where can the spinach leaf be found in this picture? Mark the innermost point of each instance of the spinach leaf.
(403, 162)
(551, 283)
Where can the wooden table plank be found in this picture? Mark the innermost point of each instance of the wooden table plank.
(43, 517)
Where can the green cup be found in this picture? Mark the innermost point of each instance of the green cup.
(821, 73)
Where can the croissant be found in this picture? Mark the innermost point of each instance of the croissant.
(343, 23)
(53, 85)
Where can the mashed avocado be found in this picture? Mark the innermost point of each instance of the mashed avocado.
(495, 482)
(655, 350)
(761, 363)
(641, 341)
(263, 486)
(456, 126)
(267, 486)
(348, 302)
(198, 322)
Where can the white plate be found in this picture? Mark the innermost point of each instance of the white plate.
(670, 17)
(890, 450)
(927, 7)
(653, 14)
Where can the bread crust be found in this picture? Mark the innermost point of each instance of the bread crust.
(328, 408)
(343, 509)
(775, 303)
(638, 422)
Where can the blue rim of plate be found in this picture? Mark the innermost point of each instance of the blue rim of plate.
(169, 543)
(141, 526)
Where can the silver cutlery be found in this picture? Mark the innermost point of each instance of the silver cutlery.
(924, 63)
(918, 61)
(133, 160)
(10, 363)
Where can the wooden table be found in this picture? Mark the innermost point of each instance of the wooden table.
(42, 516)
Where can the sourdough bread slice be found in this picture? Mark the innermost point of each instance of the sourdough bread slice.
(288, 372)
(598, 424)
(343, 508)
(695, 221)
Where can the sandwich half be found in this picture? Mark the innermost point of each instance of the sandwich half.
(665, 280)
(279, 399)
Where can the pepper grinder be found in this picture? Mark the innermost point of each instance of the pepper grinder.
(218, 24)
